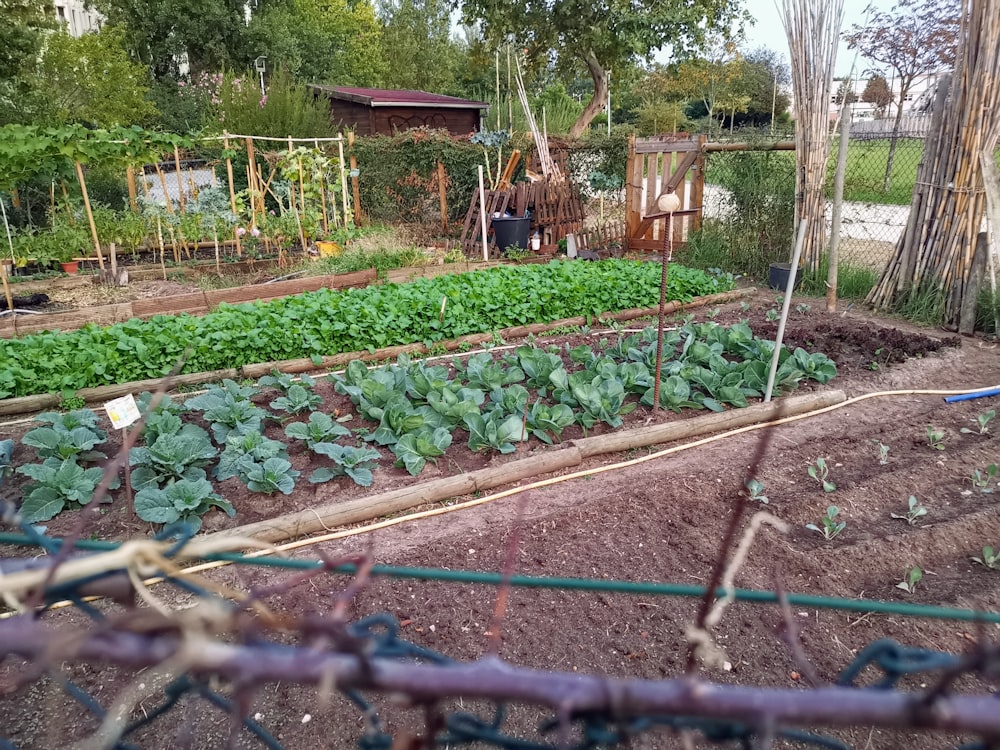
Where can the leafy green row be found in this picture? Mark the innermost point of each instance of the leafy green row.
(329, 322)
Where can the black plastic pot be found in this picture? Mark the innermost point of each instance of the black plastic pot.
(777, 276)
(512, 230)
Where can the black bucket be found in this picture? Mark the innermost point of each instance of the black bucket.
(512, 231)
(777, 277)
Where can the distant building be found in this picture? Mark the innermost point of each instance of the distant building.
(76, 17)
(917, 101)
(388, 111)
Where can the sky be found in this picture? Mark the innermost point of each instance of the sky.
(768, 31)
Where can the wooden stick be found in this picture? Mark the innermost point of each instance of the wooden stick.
(443, 195)
(355, 186)
(163, 251)
(133, 194)
(90, 214)
(232, 191)
(482, 213)
(322, 192)
(180, 179)
(6, 288)
(343, 179)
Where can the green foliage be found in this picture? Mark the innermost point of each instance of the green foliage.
(494, 431)
(990, 559)
(326, 322)
(290, 108)
(911, 577)
(57, 484)
(244, 451)
(228, 407)
(913, 513)
(321, 41)
(6, 459)
(547, 422)
(415, 449)
(756, 228)
(21, 34)
(417, 35)
(883, 452)
(982, 422)
(982, 478)
(831, 527)
(87, 79)
(321, 428)
(755, 491)
(170, 458)
(186, 500)
(935, 438)
(356, 463)
(73, 435)
(273, 475)
(297, 400)
(820, 471)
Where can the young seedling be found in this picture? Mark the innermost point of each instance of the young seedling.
(935, 438)
(982, 422)
(745, 306)
(713, 313)
(831, 527)
(819, 471)
(772, 315)
(911, 577)
(802, 308)
(981, 478)
(913, 513)
(990, 559)
(756, 490)
(883, 452)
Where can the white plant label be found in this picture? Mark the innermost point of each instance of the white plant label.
(122, 411)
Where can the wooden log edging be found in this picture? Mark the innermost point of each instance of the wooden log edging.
(194, 303)
(332, 515)
(27, 404)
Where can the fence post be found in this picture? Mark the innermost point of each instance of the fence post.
(698, 185)
(633, 173)
(355, 187)
(442, 194)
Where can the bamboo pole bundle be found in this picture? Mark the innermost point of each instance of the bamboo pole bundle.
(937, 251)
(813, 31)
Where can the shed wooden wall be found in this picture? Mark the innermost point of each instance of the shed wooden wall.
(389, 120)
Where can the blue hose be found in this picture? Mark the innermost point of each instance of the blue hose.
(970, 396)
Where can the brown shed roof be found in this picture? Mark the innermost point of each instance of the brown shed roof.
(398, 97)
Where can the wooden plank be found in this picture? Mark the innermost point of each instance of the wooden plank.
(195, 303)
(645, 146)
(72, 320)
(698, 187)
(265, 292)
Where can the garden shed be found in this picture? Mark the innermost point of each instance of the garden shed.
(388, 111)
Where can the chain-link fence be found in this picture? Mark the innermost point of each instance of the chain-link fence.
(749, 198)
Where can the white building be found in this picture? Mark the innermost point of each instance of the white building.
(916, 102)
(76, 17)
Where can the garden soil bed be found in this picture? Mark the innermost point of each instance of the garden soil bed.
(662, 520)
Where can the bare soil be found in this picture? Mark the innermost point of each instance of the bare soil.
(663, 520)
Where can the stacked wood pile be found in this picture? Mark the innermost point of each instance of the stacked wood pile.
(941, 251)
(556, 210)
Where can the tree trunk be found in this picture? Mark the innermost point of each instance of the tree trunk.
(894, 139)
(600, 77)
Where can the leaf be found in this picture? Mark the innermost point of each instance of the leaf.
(413, 450)
(41, 504)
(155, 506)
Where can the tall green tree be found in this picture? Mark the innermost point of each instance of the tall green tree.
(89, 79)
(21, 26)
(207, 34)
(321, 41)
(600, 34)
(417, 35)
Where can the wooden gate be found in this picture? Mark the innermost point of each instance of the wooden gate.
(657, 166)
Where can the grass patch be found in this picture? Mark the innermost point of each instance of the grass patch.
(853, 282)
(864, 179)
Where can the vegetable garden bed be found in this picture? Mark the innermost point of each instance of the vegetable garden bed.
(329, 322)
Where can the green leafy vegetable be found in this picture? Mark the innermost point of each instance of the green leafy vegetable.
(415, 449)
(356, 463)
(58, 484)
(321, 428)
(186, 500)
(274, 475)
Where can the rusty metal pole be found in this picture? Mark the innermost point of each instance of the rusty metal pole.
(667, 254)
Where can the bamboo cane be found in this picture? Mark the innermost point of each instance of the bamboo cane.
(343, 180)
(180, 179)
(232, 192)
(6, 288)
(322, 195)
(90, 214)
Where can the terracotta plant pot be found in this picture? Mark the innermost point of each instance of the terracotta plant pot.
(72, 267)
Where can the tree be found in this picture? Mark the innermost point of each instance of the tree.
(208, 34)
(89, 79)
(320, 41)
(915, 37)
(765, 80)
(600, 34)
(418, 36)
(845, 93)
(20, 33)
(877, 94)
